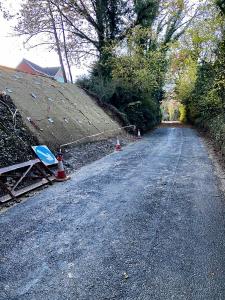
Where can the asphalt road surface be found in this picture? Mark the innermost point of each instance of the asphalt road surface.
(145, 223)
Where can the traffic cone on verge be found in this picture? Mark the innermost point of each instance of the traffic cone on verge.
(139, 134)
(118, 146)
(61, 174)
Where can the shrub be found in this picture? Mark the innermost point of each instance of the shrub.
(183, 113)
(134, 81)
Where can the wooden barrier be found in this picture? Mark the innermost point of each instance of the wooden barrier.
(32, 169)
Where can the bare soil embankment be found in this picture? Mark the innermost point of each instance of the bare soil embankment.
(47, 112)
(61, 112)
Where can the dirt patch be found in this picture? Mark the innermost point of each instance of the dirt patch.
(81, 155)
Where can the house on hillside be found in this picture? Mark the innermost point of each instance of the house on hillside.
(33, 69)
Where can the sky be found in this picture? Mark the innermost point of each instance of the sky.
(12, 51)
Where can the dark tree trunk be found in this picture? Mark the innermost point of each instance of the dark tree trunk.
(57, 42)
(65, 49)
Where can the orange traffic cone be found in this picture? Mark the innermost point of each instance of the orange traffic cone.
(61, 174)
(139, 134)
(118, 146)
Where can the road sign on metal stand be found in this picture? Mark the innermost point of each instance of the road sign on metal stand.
(45, 155)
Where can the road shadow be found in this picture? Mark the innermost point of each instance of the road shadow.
(174, 124)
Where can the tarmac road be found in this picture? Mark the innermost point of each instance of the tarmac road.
(145, 223)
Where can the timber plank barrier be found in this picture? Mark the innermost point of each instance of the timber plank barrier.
(21, 178)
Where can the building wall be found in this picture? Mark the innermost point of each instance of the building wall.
(26, 68)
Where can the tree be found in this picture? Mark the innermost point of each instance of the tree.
(94, 25)
(221, 5)
(85, 28)
(138, 60)
(199, 64)
(57, 42)
(42, 25)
